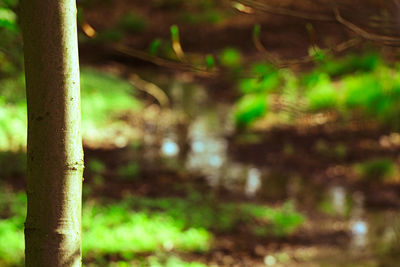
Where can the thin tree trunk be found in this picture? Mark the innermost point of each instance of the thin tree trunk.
(55, 155)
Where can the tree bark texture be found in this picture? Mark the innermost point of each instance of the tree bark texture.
(55, 155)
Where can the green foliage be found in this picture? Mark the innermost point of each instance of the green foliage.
(174, 33)
(363, 86)
(282, 222)
(161, 47)
(230, 57)
(12, 90)
(154, 47)
(104, 98)
(376, 169)
(317, 54)
(12, 126)
(249, 108)
(148, 225)
(210, 62)
(322, 95)
(11, 56)
(263, 84)
(350, 63)
(122, 229)
(8, 19)
(375, 94)
(9, 3)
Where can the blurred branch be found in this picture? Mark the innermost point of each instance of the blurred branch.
(387, 40)
(307, 59)
(131, 52)
(176, 43)
(88, 30)
(383, 39)
(151, 89)
(285, 12)
(280, 63)
(270, 57)
(204, 72)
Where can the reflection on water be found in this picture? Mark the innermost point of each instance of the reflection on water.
(359, 230)
(169, 147)
(253, 182)
(358, 224)
(338, 195)
(208, 150)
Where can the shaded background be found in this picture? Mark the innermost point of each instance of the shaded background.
(224, 133)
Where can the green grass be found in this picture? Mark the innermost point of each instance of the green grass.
(12, 216)
(105, 98)
(116, 228)
(126, 229)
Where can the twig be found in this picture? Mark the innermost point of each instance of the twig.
(383, 39)
(387, 40)
(285, 12)
(151, 89)
(280, 63)
(129, 51)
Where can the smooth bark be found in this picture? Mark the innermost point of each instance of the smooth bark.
(55, 155)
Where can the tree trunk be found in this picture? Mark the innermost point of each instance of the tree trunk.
(55, 155)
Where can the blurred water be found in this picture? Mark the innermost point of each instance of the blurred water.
(358, 224)
(338, 195)
(202, 149)
(253, 182)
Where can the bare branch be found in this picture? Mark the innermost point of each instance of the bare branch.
(132, 52)
(383, 39)
(387, 40)
(285, 12)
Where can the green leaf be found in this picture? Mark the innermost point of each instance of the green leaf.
(175, 33)
(8, 19)
(154, 47)
(249, 108)
(210, 62)
(230, 57)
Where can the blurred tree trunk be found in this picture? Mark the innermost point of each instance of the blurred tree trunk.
(55, 155)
